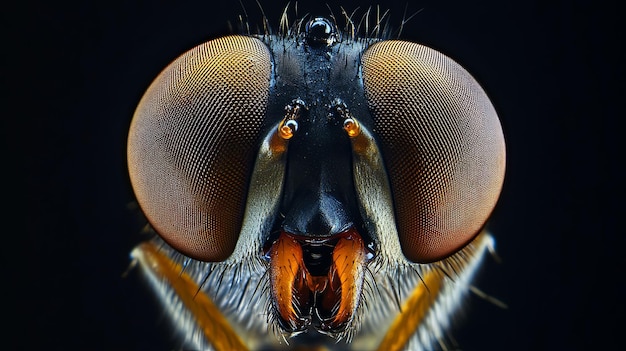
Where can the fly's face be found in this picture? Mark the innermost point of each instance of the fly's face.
(309, 188)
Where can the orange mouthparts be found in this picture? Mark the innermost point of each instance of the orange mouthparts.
(317, 281)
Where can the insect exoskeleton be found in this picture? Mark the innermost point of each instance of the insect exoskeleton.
(320, 184)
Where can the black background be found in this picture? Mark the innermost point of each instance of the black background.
(73, 74)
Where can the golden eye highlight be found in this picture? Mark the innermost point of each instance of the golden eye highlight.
(286, 129)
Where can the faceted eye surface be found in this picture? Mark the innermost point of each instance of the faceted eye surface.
(442, 145)
(193, 141)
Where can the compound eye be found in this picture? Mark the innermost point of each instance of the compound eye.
(442, 145)
(193, 141)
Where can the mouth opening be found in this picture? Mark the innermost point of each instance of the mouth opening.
(317, 254)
